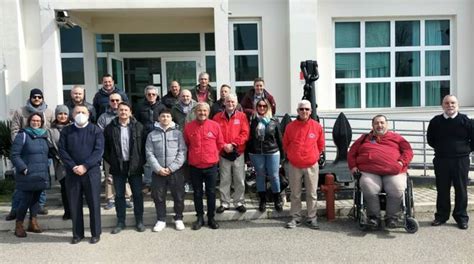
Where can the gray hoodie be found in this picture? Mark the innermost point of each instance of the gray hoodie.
(165, 149)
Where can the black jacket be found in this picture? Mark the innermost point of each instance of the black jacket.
(113, 149)
(271, 142)
(147, 114)
(169, 100)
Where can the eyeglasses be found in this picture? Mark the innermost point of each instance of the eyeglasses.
(37, 97)
(262, 105)
(114, 100)
(151, 94)
(304, 109)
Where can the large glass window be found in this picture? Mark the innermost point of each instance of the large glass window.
(73, 71)
(71, 40)
(245, 37)
(105, 42)
(392, 63)
(244, 53)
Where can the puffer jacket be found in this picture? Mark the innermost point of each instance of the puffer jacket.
(271, 142)
(148, 113)
(31, 152)
(106, 118)
(20, 118)
(113, 149)
(165, 148)
(101, 100)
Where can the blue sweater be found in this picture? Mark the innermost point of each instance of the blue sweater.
(81, 146)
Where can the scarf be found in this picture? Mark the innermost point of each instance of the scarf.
(262, 125)
(39, 109)
(35, 131)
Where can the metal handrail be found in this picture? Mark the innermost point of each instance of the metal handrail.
(413, 130)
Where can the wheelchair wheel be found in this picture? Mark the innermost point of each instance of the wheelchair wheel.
(410, 200)
(411, 225)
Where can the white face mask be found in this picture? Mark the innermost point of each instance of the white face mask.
(81, 119)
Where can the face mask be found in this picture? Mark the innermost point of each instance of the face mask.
(81, 119)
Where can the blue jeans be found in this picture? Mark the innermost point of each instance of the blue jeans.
(208, 176)
(135, 182)
(18, 196)
(267, 165)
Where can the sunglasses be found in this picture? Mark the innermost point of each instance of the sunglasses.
(262, 105)
(114, 100)
(151, 94)
(37, 97)
(304, 109)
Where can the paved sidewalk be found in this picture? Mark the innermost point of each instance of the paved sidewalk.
(425, 199)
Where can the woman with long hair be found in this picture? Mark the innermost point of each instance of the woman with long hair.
(264, 148)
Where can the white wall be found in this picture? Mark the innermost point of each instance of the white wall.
(462, 35)
(274, 34)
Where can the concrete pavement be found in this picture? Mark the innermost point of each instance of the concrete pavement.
(425, 198)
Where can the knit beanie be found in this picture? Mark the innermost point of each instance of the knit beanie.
(61, 109)
(35, 91)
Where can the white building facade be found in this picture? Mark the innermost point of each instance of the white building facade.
(375, 56)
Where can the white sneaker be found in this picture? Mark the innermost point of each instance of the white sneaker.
(160, 225)
(179, 225)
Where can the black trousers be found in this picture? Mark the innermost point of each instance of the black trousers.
(451, 172)
(135, 181)
(87, 185)
(64, 199)
(209, 177)
(159, 187)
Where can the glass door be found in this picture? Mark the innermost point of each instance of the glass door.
(115, 67)
(183, 70)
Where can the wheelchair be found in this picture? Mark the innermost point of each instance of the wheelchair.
(406, 218)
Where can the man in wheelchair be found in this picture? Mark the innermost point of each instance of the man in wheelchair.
(381, 157)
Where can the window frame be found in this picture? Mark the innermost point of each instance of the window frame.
(233, 53)
(392, 50)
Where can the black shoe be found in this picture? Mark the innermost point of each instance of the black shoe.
(43, 211)
(241, 209)
(140, 227)
(277, 202)
(11, 216)
(221, 209)
(213, 224)
(66, 216)
(463, 225)
(391, 223)
(373, 222)
(198, 224)
(437, 222)
(118, 228)
(263, 201)
(76, 240)
(94, 240)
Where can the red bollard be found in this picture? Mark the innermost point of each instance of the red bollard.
(329, 188)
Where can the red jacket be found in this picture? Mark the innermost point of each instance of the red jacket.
(380, 156)
(235, 130)
(303, 141)
(204, 141)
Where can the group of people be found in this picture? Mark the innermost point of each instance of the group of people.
(382, 158)
(188, 136)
